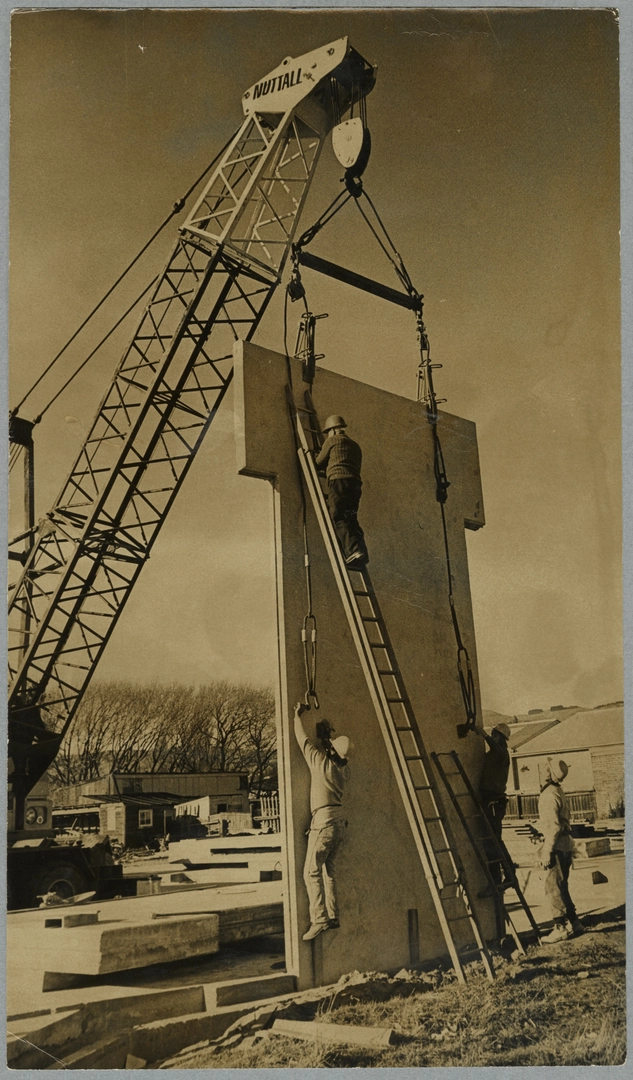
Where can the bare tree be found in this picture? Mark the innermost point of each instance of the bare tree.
(127, 727)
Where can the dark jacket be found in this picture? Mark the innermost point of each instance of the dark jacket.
(494, 774)
(342, 456)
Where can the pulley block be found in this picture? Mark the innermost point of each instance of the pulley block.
(351, 142)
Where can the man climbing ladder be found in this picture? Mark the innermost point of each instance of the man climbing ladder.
(340, 458)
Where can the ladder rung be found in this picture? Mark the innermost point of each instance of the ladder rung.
(441, 850)
(396, 700)
(430, 819)
(408, 728)
(360, 592)
(386, 672)
(423, 787)
(413, 757)
(460, 918)
(370, 618)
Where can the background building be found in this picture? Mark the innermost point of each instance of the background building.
(136, 808)
(592, 744)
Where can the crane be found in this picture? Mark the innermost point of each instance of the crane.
(87, 552)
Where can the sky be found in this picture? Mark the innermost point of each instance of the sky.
(495, 168)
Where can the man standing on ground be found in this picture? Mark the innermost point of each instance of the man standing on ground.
(557, 852)
(340, 457)
(329, 772)
(493, 783)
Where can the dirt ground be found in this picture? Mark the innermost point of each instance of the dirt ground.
(561, 1004)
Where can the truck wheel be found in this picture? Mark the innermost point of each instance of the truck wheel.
(64, 879)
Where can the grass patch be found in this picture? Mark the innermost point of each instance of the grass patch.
(537, 1012)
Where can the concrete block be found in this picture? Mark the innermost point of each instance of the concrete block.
(30, 1039)
(158, 1005)
(92, 1024)
(238, 924)
(163, 1038)
(119, 946)
(149, 886)
(21, 1055)
(29, 1015)
(589, 849)
(81, 918)
(108, 1053)
(343, 1034)
(243, 990)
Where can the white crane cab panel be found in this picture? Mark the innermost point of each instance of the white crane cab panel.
(293, 79)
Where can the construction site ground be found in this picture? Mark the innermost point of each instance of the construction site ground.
(172, 1006)
(561, 1004)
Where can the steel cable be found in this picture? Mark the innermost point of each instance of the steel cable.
(177, 207)
(96, 348)
(309, 628)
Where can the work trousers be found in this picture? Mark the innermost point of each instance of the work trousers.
(343, 499)
(557, 887)
(318, 872)
(494, 807)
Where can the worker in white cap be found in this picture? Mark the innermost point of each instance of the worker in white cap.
(341, 458)
(493, 783)
(329, 772)
(557, 851)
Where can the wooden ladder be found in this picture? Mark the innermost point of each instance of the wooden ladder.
(407, 754)
(491, 852)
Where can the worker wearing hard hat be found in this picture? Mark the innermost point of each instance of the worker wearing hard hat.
(494, 779)
(557, 851)
(329, 772)
(340, 457)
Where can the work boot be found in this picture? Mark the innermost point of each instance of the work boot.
(576, 926)
(356, 560)
(559, 933)
(315, 930)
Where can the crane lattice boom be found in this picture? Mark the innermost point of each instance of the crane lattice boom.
(218, 281)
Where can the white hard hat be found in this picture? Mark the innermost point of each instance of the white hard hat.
(343, 746)
(557, 770)
(333, 422)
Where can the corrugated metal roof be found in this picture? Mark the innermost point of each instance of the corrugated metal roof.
(162, 798)
(523, 733)
(582, 731)
(186, 785)
(548, 714)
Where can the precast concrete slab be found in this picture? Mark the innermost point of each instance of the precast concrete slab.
(590, 899)
(387, 917)
(36, 1041)
(261, 908)
(118, 946)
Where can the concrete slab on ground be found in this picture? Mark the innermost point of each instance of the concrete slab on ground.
(34, 1041)
(118, 945)
(589, 898)
(24, 981)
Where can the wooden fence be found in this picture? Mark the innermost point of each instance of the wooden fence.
(582, 805)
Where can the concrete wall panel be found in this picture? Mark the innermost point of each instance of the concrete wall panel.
(379, 875)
